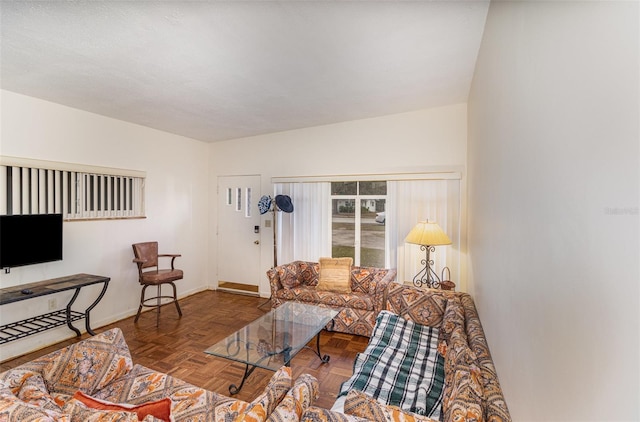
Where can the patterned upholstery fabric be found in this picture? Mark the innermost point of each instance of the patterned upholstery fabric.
(297, 281)
(301, 396)
(14, 409)
(326, 297)
(463, 389)
(260, 408)
(88, 365)
(495, 407)
(361, 405)
(289, 275)
(317, 414)
(413, 304)
(34, 391)
(142, 385)
(26, 392)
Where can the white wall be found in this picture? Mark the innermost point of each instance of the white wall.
(176, 208)
(553, 206)
(408, 142)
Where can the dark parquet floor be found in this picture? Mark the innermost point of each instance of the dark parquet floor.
(177, 346)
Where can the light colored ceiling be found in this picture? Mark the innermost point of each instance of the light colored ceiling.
(214, 71)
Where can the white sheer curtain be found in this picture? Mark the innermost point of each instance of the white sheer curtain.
(411, 201)
(305, 233)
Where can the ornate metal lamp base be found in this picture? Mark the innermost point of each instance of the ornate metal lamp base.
(427, 276)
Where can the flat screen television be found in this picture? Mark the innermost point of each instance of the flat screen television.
(30, 239)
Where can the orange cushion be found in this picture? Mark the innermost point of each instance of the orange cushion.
(160, 409)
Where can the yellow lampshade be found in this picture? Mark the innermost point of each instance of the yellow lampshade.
(427, 233)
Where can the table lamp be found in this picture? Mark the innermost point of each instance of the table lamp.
(427, 234)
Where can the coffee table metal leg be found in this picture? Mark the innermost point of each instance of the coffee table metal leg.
(233, 389)
(323, 358)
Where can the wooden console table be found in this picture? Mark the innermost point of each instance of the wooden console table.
(37, 324)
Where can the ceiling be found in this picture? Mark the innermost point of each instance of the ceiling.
(213, 70)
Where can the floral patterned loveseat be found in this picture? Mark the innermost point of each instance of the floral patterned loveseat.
(297, 281)
(77, 382)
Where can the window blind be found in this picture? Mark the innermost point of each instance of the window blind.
(78, 192)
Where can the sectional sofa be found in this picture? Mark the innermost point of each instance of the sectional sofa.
(96, 380)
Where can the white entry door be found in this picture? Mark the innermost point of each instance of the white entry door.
(239, 230)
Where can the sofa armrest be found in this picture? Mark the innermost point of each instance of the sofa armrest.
(495, 406)
(296, 273)
(297, 400)
(274, 281)
(379, 290)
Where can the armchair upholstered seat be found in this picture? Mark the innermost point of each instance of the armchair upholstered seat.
(149, 274)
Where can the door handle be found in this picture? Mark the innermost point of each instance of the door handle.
(257, 242)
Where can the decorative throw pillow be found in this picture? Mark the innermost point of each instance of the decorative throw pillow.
(335, 274)
(363, 406)
(288, 275)
(89, 365)
(79, 412)
(160, 409)
(262, 406)
(401, 366)
(411, 303)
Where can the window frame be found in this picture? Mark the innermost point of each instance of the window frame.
(358, 198)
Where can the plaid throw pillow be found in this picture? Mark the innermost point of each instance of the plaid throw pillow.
(401, 366)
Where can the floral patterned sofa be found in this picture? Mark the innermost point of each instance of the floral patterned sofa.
(471, 390)
(95, 380)
(297, 281)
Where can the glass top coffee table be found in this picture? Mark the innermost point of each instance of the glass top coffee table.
(272, 340)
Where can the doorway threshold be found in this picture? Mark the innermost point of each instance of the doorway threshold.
(238, 288)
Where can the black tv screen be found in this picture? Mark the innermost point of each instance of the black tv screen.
(30, 239)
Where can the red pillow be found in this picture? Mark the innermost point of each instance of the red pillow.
(160, 409)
